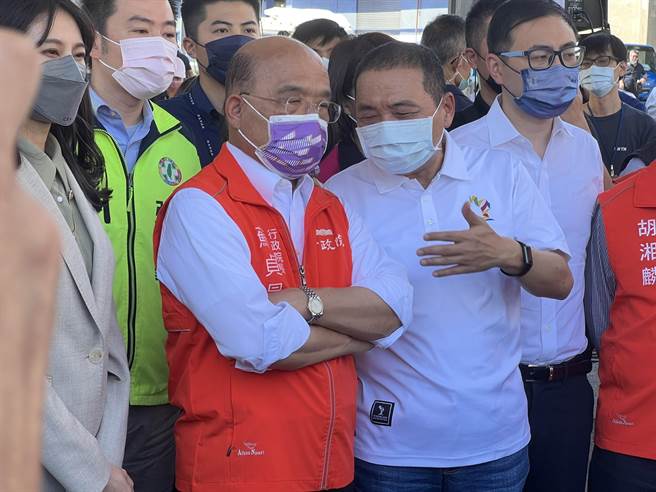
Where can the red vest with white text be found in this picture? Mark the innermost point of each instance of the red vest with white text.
(278, 431)
(626, 413)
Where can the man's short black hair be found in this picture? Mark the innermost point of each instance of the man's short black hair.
(406, 55)
(321, 30)
(476, 20)
(194, 12)
(101, 10)
(445, 35)
(603, 42)
(515, 12)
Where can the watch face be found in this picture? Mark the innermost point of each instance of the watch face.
(315, 306)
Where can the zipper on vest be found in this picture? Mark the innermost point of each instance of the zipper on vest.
(301, 270)
(132, 270)
(331, 428)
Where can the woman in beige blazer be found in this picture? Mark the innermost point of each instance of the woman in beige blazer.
(87, 387)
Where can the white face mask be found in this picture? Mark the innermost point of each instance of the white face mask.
(400, 147)
(598, 80)
(148, 66)
(325, 62)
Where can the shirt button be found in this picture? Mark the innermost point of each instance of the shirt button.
(429, 222)
(95, 357)
(60, 199)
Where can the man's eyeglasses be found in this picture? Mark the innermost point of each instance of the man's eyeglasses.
(327, 110)
(600, 61)
(543, 58)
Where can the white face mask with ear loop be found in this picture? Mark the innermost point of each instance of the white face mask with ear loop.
(401, 146)
(148, 67)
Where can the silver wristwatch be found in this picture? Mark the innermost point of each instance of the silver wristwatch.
(314, 305)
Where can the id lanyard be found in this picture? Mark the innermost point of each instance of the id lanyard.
(617, 135)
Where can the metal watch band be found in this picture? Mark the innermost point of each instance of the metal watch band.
(310, 295)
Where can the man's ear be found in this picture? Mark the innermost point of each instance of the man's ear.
(189, 46)
(97, 49)
(233, 107)
(494, 68)
(470, 54)
(449, 106)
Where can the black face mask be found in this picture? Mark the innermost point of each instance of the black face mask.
(219, 54)
(491, 83)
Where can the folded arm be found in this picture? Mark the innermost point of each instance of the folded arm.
(323, 344)
(377, 307)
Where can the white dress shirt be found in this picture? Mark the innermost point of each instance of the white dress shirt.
(205, 261)
(453, 377)
(569, 177)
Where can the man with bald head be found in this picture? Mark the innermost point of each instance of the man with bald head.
(269, 286)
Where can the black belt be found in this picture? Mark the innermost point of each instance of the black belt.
(581, 364)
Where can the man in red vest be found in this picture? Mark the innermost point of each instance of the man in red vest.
(269, 286)
(621, 314)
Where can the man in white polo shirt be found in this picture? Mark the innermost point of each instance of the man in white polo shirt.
(535, 58)
(443, 408)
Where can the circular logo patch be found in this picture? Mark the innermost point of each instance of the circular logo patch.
(170, 172)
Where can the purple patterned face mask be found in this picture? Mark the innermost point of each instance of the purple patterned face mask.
(296, 144)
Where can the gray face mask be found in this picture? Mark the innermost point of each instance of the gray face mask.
(63, 85)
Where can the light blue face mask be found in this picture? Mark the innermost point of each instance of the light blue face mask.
(598, 80)
(402, 146)
(547, 93)
(465, 83)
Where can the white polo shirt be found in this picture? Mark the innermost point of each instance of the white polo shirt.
(569, 177)
(448, 392)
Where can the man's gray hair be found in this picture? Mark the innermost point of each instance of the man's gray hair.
(445, 35)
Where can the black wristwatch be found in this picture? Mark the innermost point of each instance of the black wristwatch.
(527, 258)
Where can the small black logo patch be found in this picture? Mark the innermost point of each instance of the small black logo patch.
(381, 412)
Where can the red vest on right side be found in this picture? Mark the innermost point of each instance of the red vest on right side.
(626, 411)
(281, 431)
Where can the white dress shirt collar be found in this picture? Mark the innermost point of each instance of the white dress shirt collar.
(502, 129)
(454, 166)
(266, 182)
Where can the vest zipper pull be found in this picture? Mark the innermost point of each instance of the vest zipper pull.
(229, 452)
(107, 214)
(302, 272)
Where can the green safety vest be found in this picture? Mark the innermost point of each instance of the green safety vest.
(167, 160)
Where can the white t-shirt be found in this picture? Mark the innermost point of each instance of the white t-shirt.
(448, 392)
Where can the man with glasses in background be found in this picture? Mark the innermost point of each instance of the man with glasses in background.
(619, 129)
(535, 58)
(269, 285)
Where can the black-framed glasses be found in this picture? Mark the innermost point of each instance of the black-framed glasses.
(327, 110)
(543, 58)
(600, 61)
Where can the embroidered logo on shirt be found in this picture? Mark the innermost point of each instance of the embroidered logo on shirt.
(622, 420)
(170, 172)
(483, 205)
(251, 450)
(381, 413)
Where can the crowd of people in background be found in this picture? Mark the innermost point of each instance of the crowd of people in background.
(340, 262)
